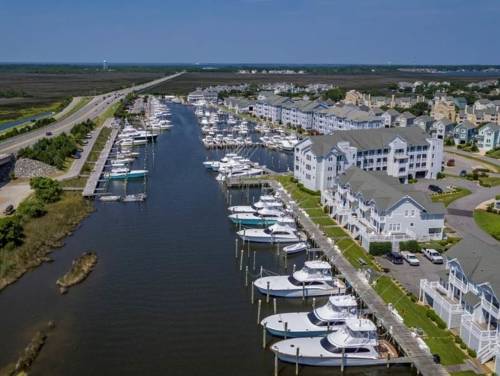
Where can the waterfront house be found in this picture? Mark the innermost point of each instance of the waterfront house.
(464, 132)
(424, 122)
(400, 152)
(466, 296)
(488, 137)
(375, 207)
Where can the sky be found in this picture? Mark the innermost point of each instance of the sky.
(251, 31)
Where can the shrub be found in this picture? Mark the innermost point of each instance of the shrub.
(434, 317)
(410, 246)
(52, 151)
(463, 346)
(46, 189)
(80, 130)
(471, 353)
(440, 175)
(380, 248)
(31, 208)
(11, 232)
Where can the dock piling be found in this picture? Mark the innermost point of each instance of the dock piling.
(259, 305)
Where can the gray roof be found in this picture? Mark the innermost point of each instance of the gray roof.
(385, 190)
(466, 124)
(350, 112)
(494, 127)
(424, 118)
(367, 139)
(392, 112)
(479, 261)
(407, 115)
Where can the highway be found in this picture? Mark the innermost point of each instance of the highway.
(97, 106)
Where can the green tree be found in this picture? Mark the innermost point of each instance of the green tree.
(46, 189)
(420, 108)
(11, 232)
(336, 94)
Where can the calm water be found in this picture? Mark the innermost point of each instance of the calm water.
(167, 296)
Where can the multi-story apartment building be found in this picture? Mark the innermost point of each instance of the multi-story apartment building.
(202, 96)
(465, 296)
(239, 105)
(400, 152)
(268, 106)
(375, 207)
(300, 113)
(389, 117)
(405, 119)
(444, 107)
(488, 137)
(344, 117)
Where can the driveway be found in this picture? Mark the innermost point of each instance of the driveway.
(410, 276)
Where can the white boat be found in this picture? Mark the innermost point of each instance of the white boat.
(355, 344)
(125, 173)
(109, 198)
(276, 233)
(264, 217)
(314, 279)
(295, 248)
(137, 197)
(242, 209)
(321, 321)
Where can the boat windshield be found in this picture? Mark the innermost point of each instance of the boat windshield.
(293, 281)
(338, 350)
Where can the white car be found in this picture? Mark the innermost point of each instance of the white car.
(410, 258)
(433, 256)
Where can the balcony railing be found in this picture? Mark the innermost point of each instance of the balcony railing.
(478, 330)
(462, 286)
(487, 305)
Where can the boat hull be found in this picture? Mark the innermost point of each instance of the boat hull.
(308, 291)
(330, 362)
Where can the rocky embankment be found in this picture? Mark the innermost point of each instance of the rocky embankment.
(80, 270)
(29, 168)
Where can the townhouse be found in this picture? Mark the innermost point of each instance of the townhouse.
(405, 119)
(239, 105)
(268, 106)
(344, 117)
(425, 122)
(481, 112)
(443, 128)
(375, 207)
(445, 107)
(465, 296)
(488, 137)
(399, 152)
(464, 132)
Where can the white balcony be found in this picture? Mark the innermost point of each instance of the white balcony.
(488, 306)
(458, 283)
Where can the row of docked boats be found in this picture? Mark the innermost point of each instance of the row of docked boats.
(333, 334)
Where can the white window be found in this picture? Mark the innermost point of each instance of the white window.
(413, 213)
(406, 213)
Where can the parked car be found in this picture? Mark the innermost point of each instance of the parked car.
(9, 210)
(463, 173)
(48, 133)
(410, 258)
(450, 163)
(435, 188)
(433, 256)
(395, 258)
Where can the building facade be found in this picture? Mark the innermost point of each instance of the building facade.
(399, 152)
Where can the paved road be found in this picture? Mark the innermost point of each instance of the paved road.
(473, 155)
(93, 109)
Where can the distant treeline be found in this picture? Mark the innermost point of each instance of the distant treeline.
(169, 68)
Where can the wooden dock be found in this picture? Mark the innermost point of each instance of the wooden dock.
(95, 175)
(421, 359)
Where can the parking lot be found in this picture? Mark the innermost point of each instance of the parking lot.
(410, 276)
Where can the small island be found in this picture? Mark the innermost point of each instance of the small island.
(80, 269)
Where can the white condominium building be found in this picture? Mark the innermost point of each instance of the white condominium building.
(400, 152)
(344, 117)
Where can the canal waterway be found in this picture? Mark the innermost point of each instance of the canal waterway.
(167, 296)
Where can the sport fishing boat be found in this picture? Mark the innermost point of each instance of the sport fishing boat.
(321, 321)
(268, 201)
(263, 217)
(354, 344)
(277, 233)
(314, 279)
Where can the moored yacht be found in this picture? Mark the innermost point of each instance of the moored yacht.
(314, 279)
(276, 233)
(323, 320)
(354, 344)
(264, 217)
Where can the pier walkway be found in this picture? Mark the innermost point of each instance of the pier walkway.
(402, 335)
(95, 175)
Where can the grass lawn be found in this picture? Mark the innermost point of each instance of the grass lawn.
(489, 222)
(494, 154)
(441, 245)
(107, 114)
(463, 373)
(490, 181)
(448, 198)
(7, 115)
(440, 341)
